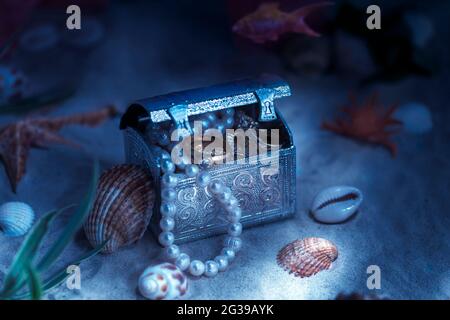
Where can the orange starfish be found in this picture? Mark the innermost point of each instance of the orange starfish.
(368, 123)
(18, 138)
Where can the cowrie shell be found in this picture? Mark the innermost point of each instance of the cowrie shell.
(336, 204)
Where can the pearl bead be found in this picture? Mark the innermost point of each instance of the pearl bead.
(169, 180)
(203, 179)
(222, 262)
(234, 215)
(183, 162)
(196, 268)
(211, 268)
(235, 229)
(205, 124)
(173, 251)
(163, 139)
(229, 112)
(166, 238)
(164, 154)
(229, 122)
(215, 187)
(168, 194)
(167, 166)
(168, 209)
(207, 162)
(191, 170)
(167, 224)
(233, 202)
(221, 127)
(183, 261)
(234, 243)
(225, 196)
(229, 253)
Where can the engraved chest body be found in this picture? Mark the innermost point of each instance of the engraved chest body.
(264, 197)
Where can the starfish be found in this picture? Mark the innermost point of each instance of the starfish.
(368, 123)
(16, 139)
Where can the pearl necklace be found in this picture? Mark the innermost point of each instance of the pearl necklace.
(232, 243)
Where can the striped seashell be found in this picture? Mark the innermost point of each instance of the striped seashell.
(122, 208)
(162, 282)
(336, 204)
(307, 257)
(16, 218)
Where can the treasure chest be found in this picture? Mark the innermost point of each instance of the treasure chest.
(264, 194)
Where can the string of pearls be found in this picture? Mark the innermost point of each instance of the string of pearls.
(232, 243)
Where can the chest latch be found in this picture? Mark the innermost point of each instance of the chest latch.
(179, 116)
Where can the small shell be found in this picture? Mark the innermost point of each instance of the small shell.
(122, 208)
(336, 204)
(307, 257)
(16, 218)
(162, 282)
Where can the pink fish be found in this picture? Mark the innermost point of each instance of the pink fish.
(268, 22)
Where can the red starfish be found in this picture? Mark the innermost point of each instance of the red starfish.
(18, 138)
(368, 123)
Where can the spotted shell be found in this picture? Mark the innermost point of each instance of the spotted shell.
(16, 218)
(122, 209)
(307, 257)
(336, 204)
(162, 282)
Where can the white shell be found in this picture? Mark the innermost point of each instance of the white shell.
(336, 204)
(16, 218)
(164, 281)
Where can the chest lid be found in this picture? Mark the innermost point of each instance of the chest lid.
(179, 106)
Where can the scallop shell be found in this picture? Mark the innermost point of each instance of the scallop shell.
(163, 282)
(336, 204)
(122, 208)
(16, 218)
(307, 257)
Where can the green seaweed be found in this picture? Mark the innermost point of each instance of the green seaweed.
(24, 271)
(34, 283)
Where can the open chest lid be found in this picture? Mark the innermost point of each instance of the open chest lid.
(179, 106)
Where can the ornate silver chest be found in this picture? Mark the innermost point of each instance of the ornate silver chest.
(264, 195)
